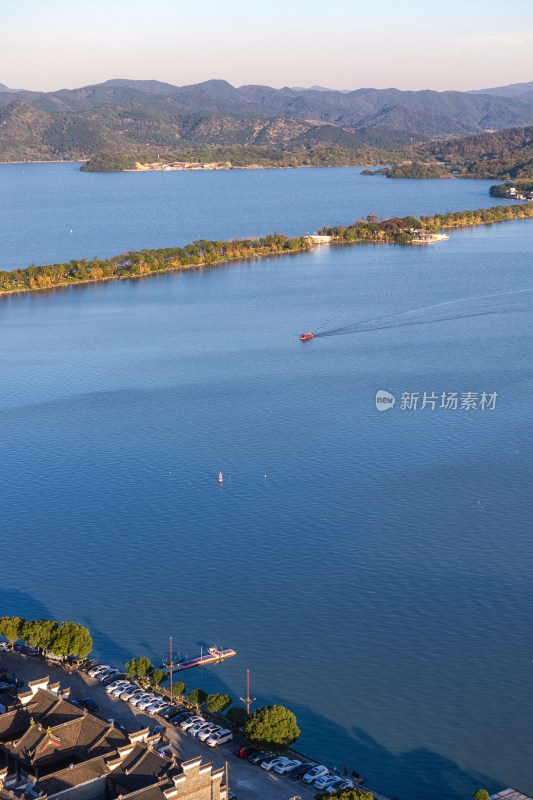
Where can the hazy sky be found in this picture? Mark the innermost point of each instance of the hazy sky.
(343, 44)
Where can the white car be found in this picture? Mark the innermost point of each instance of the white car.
(316, 772)
(155, 708)
(197, 727)
(186, 723)
(207, 731)
(107, 673)
(4, 648)
(117, 691)
(136, 698)
(271, 763)
(129, 692)
(325, 781)
(112, 686)
(95, 670)
(144, 702)
(340, 783)
(282, 769)
(220, 737)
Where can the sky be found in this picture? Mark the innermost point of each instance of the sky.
(47, 45)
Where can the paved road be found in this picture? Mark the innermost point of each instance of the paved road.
(248, 781)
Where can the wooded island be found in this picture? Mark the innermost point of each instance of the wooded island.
(202, 253)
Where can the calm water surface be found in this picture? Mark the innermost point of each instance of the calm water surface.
(51, 213)
(373, 570)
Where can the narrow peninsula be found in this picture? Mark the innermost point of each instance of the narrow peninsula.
(408, 230)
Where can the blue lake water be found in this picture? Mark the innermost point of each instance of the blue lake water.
(372, 570)
(51, 213)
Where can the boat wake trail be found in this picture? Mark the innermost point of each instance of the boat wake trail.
(439, 312)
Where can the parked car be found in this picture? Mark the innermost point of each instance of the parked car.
(324, 781)
(158, 729)
(117, 691)
(90, 663)
(89, 704)
(137, 697)
(270, 763)
(262, 755)
(114, 676)
(178, 719)
(193, 730)
(299, 772)
(219, 737)
(283, 769)
(98, 668)
(107, 673)
(339, 784)
(144, 702)
(24, 650)
(206, 732)
(186, 723)
(316, 772)
(243, 751)
(4, 647)
(116, 685)
(17, 683)
(156, 707)
(171, 712)
(129, 691)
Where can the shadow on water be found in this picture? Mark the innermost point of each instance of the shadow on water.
(17, 603)
(418, 774)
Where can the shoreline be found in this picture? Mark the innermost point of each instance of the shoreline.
(201, 254)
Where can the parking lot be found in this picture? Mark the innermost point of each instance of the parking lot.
(249, 782)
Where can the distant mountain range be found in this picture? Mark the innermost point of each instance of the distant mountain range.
(512, 90)
(134, 115)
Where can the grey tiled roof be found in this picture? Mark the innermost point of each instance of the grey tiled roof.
(141, 768)
(13, 723)
(75, 776)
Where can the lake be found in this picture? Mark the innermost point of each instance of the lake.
(372, 570)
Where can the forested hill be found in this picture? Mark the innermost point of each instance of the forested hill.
(501, 154)
(136, 116)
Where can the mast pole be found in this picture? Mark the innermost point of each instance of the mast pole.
(248, 700)
(171, 670)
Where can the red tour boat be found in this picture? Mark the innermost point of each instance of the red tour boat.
(305, 336)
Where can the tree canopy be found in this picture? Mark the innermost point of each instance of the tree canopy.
(217, 702)
(64, 639)
(346, 794)
(273, 727)
(71, 639)
(237, 716)
(158, 676)
(11, 628)
(139, 667)
(197, 696)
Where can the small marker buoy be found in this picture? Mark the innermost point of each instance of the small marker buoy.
(220, 479)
